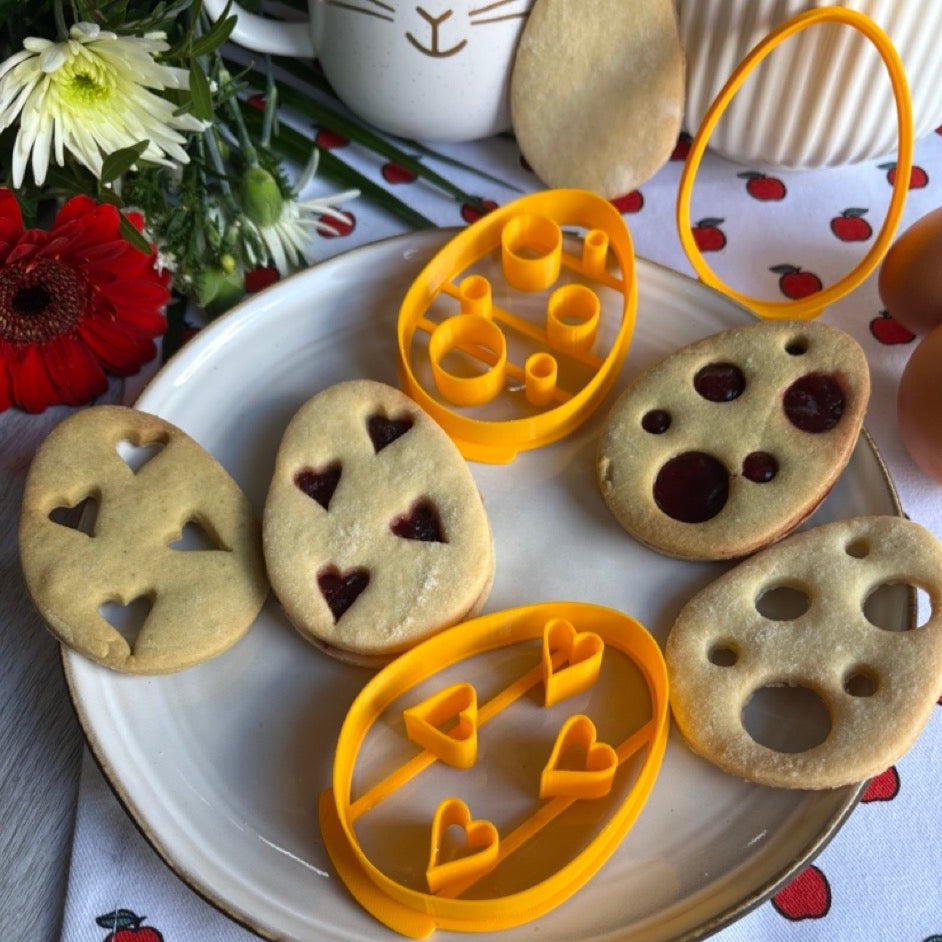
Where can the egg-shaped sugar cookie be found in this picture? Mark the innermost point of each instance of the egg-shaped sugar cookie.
(138, 548)
(728, 444)
(374, 533)
(819, 619)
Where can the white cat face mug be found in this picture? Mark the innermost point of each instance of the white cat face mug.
(431, 70)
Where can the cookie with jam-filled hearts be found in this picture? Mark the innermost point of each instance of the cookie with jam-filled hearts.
(374, 533)
(138, 548)
(728, 444)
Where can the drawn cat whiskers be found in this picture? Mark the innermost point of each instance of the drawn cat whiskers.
(377, 8)
(499, 5)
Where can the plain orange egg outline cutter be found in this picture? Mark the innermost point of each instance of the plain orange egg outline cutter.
(574, 636)
(811, 306)
(528, 234)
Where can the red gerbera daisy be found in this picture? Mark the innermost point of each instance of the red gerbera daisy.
(76, 302)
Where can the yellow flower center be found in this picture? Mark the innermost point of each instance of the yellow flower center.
(83, 81)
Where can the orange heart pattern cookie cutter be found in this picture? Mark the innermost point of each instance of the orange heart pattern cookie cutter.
(573, 640)
(497, 378)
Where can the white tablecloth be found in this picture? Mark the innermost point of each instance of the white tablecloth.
(879, 878)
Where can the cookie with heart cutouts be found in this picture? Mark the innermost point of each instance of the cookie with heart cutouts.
(374, 533)
(138, 548)
(823, 624)
(728, 444)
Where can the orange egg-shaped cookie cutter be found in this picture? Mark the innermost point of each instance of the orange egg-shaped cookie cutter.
(812, 305)
(574, 633)
(532, 246)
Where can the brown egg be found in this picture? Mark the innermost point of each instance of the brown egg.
(910, 279)
(919, 404)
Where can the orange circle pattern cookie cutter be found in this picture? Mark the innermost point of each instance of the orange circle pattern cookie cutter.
(812, 305)
(530, 241)
(573, 638)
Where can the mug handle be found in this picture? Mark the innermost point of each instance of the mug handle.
(264, 35)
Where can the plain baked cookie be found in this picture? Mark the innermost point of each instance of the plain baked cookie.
(374, 533)
(727, 444)
(201, 599)
(830, 635)
(597, 92)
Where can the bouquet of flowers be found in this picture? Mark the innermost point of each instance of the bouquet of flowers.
(135, 179)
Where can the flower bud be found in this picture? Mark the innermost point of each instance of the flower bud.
(217, 290)
(261, 197)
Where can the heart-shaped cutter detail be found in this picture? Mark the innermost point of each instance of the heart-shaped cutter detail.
(457, 745)
(599, 762)
(571, 660)
(482, 843)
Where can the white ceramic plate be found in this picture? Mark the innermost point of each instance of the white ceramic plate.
(221, 765)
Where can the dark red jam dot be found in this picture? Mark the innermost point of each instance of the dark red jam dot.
(692, 487)
(759, 466)
(814, 402)
(719, 382)
(383, 431)
(341, 589)
(319, 483)
(656, 421)
(420, 523)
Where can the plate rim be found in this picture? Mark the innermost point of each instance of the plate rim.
(192, 880)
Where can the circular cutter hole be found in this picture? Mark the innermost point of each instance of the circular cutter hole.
(692, 487)
(861, 682)
(786, 718)
(796, 346)
(897, 606)
(814, 403)
(858, 548)
(723, 654)
(759, 467)
(783, 603)
(719, 382)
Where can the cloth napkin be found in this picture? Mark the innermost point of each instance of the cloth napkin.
(879, 877)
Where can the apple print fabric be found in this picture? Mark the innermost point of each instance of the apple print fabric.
(768, 233)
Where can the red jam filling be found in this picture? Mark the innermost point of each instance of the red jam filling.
(341, 589)
(759, 466)
(692, 487)
(719, 382)
(420, 523)
(319, 483)
(383, 431)
(656, 421)
(814, 402)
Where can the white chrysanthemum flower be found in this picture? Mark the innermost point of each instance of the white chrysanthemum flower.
(284, 226)
(91, 95)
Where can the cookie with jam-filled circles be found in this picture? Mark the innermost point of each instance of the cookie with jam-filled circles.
(374, 533)
(729, 443)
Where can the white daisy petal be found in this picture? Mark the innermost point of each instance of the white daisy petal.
(91, 95)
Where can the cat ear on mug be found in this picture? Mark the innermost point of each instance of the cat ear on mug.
(597, 100)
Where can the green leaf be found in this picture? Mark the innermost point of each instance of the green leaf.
(214, 38)
(201, 95)
(133, 236)
(117, 163)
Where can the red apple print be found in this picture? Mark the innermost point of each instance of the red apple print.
(889, 331)
(708, 235)
(882, 787)
(850, 226)
(795, 282)
(126, 926)
(339, 227)
(259, 278)
(808, 896)
(629, 203)
(762, 187)
(471, 213)
(918, 177)
(395, 173)
(328, 140)
(257, 102)
(682, 147)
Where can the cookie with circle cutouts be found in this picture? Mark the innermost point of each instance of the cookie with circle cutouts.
(374, 533)
(728, 444)
(822, 625)
(138, 548)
